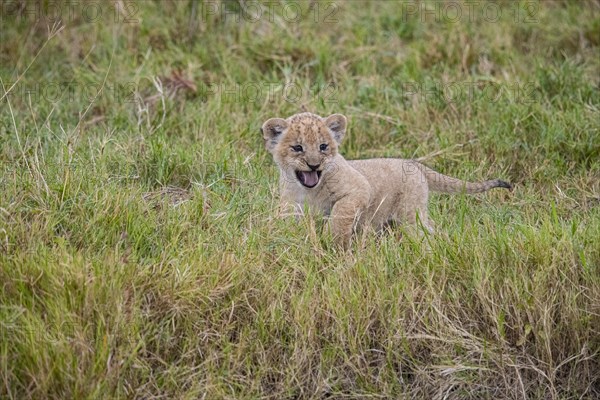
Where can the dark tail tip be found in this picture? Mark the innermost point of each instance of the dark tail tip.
(504, 184)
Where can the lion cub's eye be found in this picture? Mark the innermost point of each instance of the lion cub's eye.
(323, 147)
(297, 148)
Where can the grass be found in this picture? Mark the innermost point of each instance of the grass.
(139, 254)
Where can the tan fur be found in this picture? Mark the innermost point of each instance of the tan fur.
(354, 193)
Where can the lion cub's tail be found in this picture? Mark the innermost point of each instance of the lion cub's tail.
(446, 184)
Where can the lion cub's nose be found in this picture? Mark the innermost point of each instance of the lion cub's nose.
(313, 167)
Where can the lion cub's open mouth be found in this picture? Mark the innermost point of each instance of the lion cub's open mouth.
(308, 178)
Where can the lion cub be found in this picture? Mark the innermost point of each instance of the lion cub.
(354, 193)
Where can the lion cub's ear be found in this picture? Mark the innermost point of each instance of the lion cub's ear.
(272, 130)
(337, 126)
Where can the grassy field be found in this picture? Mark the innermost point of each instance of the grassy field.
(140, 256)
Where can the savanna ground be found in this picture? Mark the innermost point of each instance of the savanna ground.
(139, 253)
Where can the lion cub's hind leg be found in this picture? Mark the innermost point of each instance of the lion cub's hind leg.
(413, 214)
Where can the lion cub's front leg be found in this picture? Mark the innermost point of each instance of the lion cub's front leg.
(290, 201)
(346, 216)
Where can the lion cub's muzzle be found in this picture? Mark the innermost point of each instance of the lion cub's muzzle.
(309, 179)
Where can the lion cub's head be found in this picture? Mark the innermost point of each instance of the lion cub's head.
(304, 145)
